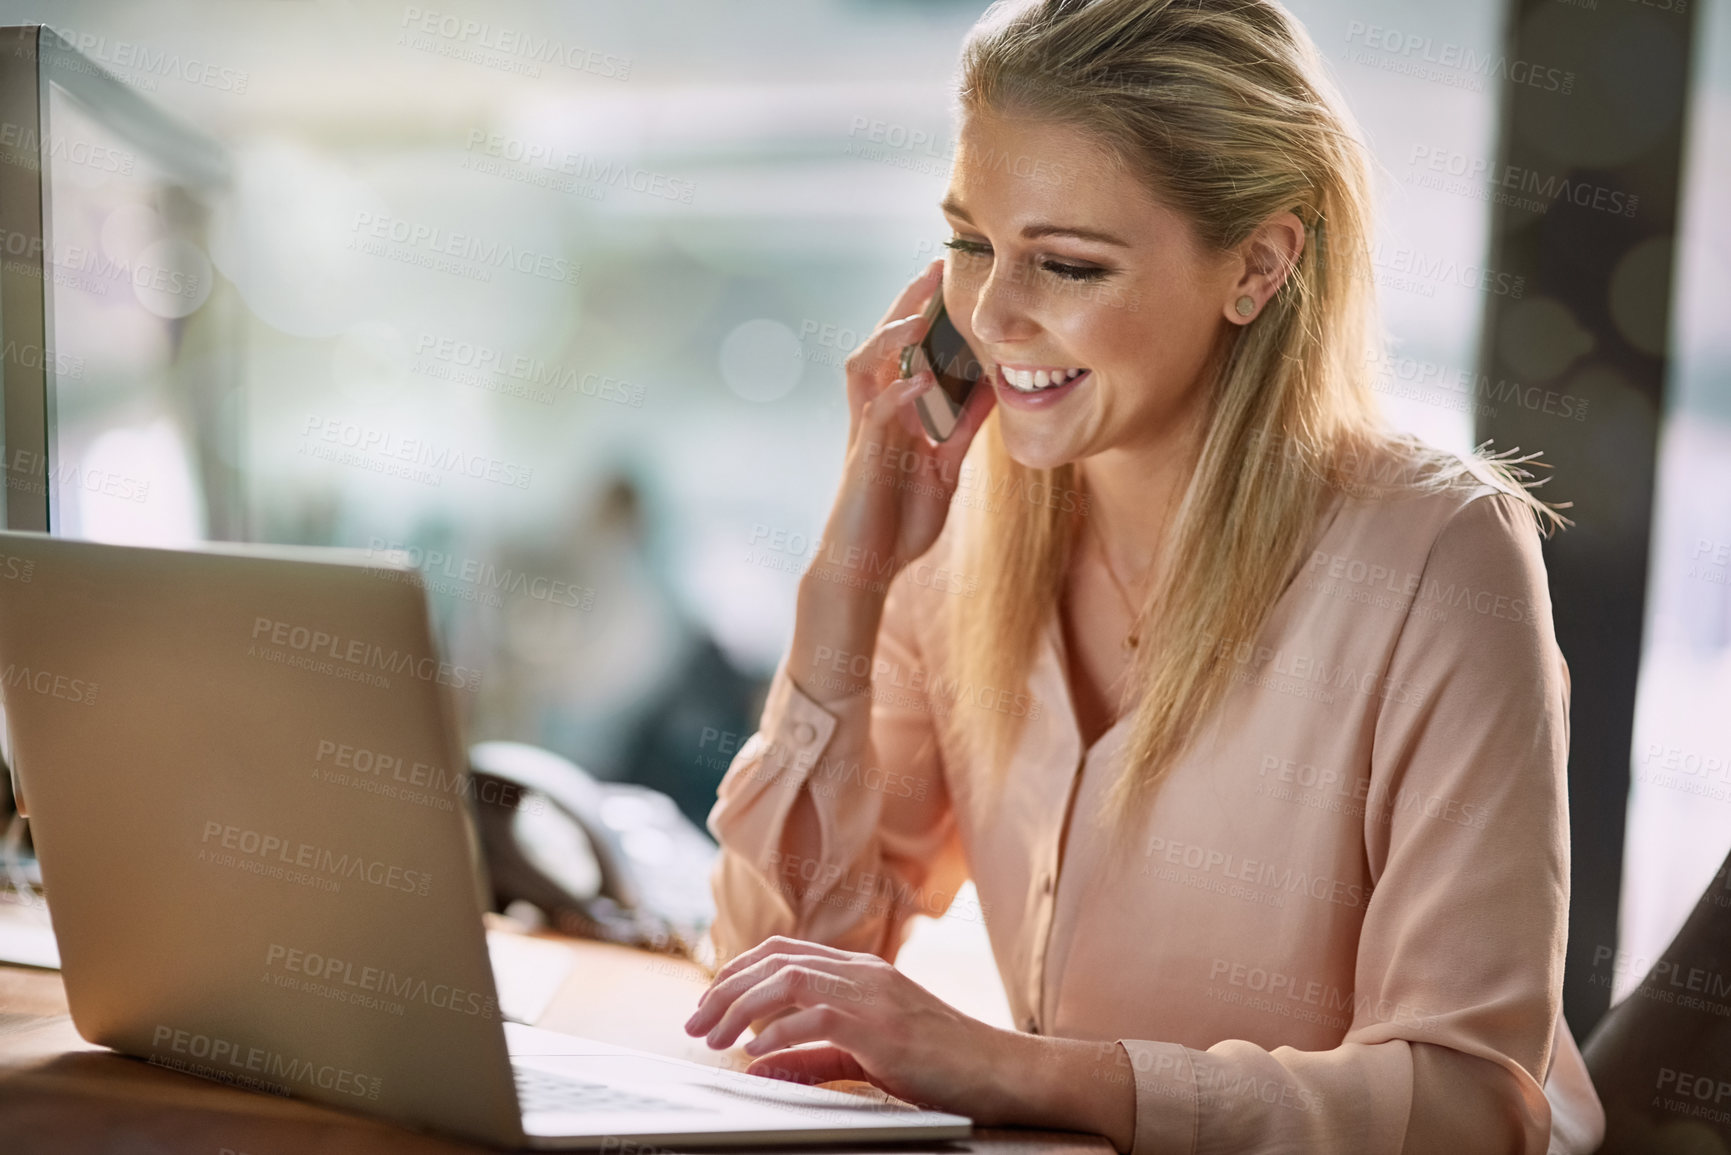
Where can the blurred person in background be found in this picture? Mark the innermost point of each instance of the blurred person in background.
(607, 668)
(1217, 687)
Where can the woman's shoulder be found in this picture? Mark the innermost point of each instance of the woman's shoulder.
(1401, 490)
(1455, 532)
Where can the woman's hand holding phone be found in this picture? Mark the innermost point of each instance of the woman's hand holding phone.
(894, 496)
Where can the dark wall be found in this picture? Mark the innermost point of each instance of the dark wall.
(1585, 211)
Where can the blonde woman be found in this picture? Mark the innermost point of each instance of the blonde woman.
(1244, 715)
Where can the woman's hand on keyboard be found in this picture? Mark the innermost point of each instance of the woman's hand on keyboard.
(881, 1027)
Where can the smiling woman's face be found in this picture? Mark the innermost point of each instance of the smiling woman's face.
(1062, 261)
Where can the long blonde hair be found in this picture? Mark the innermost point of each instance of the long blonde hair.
(1223, 109)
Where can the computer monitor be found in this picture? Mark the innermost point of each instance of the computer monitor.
(121, 356)
(120, 352)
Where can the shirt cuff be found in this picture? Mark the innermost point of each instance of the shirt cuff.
(1166, 1105)
(794, 730)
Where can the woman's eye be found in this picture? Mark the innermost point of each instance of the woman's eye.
(967, 248)
(1074, 272)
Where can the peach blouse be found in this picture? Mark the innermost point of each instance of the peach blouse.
(1358, 873)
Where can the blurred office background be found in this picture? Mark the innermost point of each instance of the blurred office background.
(703, 208)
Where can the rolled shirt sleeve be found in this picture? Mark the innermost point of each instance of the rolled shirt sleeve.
(1458, 976)
(860, 780)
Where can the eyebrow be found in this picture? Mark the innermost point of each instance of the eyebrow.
(1041, 228)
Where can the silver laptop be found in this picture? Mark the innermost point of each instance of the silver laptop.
(231, 902)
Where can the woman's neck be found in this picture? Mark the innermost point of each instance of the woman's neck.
(1133, 492)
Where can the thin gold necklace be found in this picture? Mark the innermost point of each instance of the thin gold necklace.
(1134, 637)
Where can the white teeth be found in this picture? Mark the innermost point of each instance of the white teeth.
(1033, 380)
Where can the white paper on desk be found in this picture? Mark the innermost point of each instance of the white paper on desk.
(528, 973)
(27, 937)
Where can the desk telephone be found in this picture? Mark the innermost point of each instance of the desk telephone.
(606, 860)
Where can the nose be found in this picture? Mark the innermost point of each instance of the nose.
(1000, 309)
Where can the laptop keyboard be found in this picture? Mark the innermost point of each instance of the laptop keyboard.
(543, 1091)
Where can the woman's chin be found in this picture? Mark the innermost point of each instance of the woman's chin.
(1039, 448)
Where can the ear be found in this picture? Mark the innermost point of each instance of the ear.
(1264, 260)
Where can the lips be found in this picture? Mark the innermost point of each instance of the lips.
(1031, 380)
(1037, 397)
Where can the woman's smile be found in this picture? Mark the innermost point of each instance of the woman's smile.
(1036, 387)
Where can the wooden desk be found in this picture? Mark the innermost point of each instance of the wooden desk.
(62, 1096)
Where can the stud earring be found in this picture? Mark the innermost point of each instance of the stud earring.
(1246, 305)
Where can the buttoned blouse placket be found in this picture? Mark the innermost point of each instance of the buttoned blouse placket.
(1046, 878)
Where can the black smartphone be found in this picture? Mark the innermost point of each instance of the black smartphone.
(948, 356)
